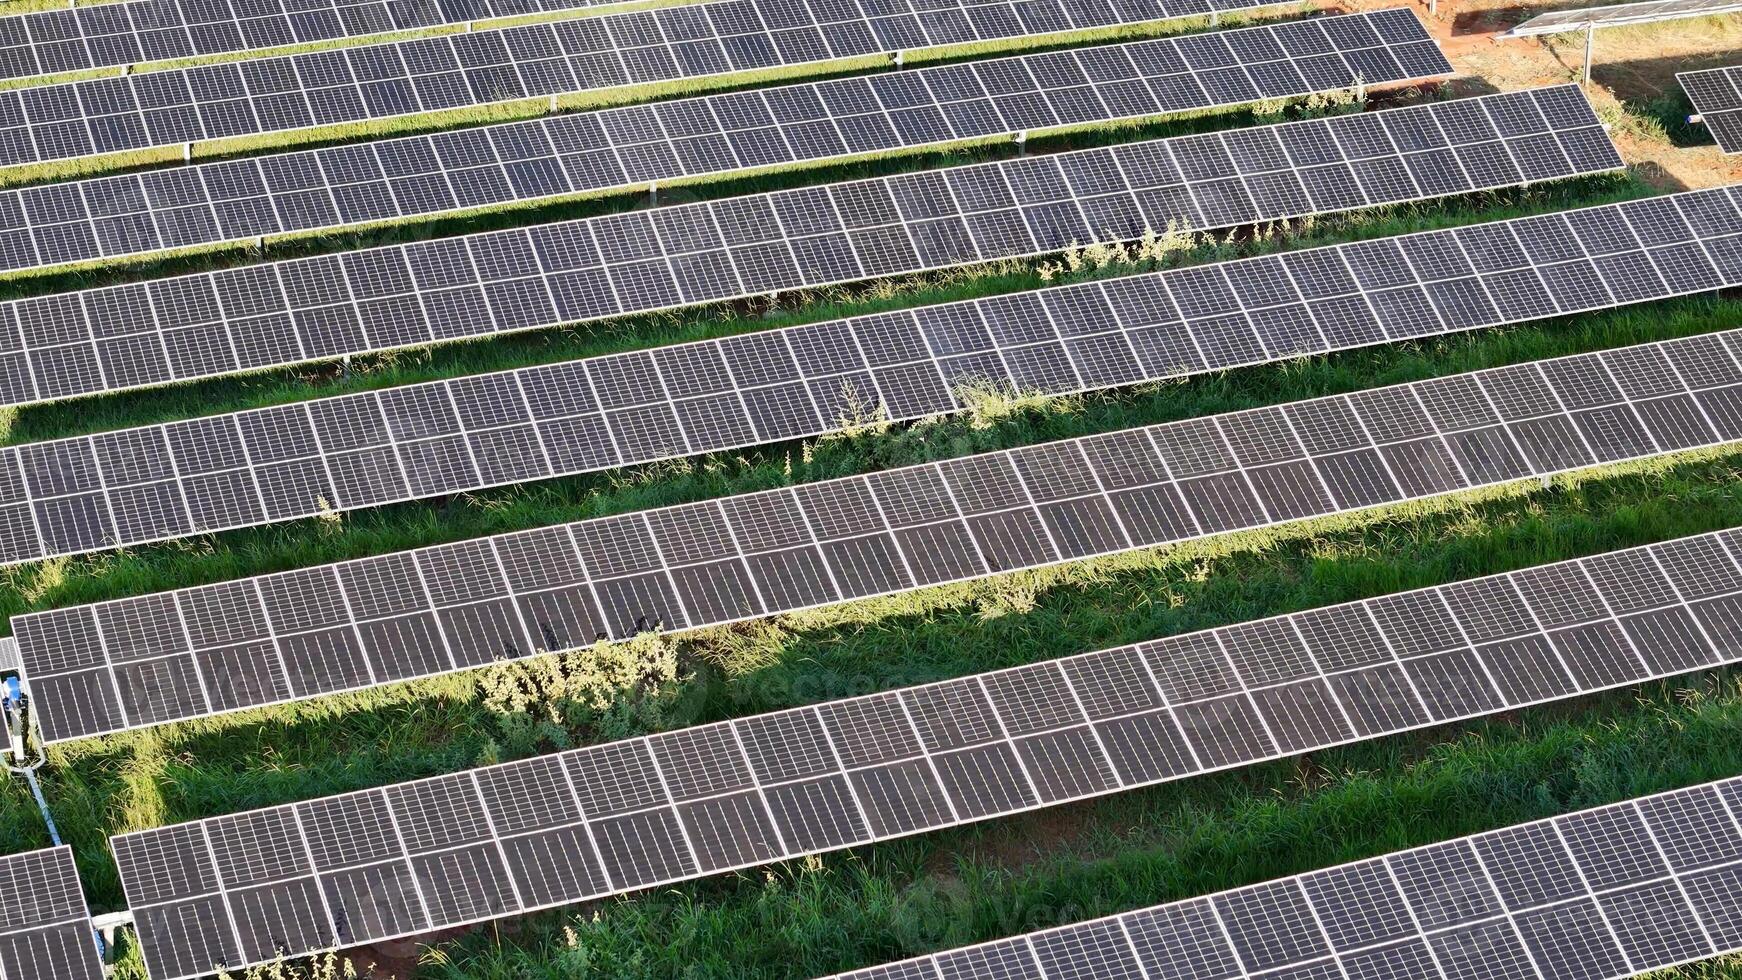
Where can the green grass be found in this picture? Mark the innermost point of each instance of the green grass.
(1053, 867)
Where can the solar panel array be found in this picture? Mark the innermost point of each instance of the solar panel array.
(367, 449)
(210, 649)
(1717, 96)
(632, 814)
(1621, 15)
(383, 81)
(45, 927)
(76, 38)
(132, 214)
(1598, 894)
(640, 261)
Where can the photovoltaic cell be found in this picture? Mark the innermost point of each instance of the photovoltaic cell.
(76, 38)
(1621, 15)
(640, 261)
(660, 809)
(1717, 97)
(134, 662)
(382, 81)
(1364, 919)
(132, 214)
(45, 927)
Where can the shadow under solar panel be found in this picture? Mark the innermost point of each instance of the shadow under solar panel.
(561, 828)
(1598, 894)
(611, 149)
(643, 261)
(134, 486)
(204, 650)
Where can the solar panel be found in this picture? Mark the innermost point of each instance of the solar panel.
(174, 107)
(45, 927)
(635, 813)
(142, 661)
(1598, 894)
(133, 486)
(1717, 97)
(111, 217)
(641, 261)
(76, 38)
(1621, 15)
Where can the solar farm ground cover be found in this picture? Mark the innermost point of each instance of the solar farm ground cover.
(883, 903)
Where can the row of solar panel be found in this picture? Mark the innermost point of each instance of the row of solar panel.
(45, 927)
(216, 648)
(137, 485)
(641, 261)
(1621, 14)
(1598, 894)
(440, 852)
(133, 214)
(46, 42)
(1717, 96)
(324, 88)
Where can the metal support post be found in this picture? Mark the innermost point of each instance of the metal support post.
(1590, 39)
(187, 151)
(897, 58)
(16, 704)
(345, 367)
(106, 926)
(1020, 138)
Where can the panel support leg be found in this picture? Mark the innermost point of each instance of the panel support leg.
(1215, 18)
(1590, 39)
(1020, 138)
(897, 58)
(18, 714)
(345, 367)
(187, 152)
(106, 926)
